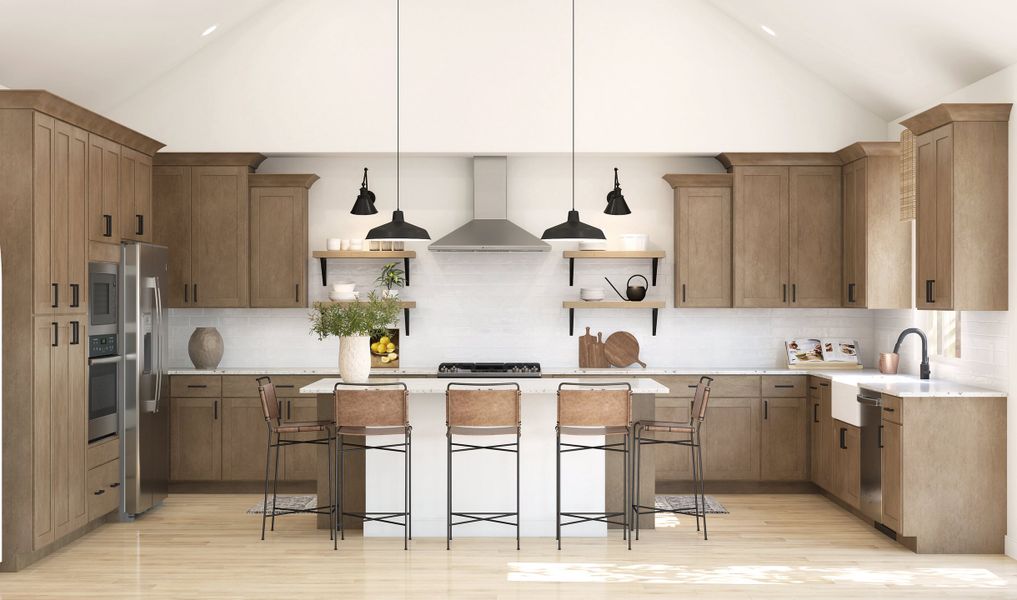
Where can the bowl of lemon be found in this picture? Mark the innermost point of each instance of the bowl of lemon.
(385, 350)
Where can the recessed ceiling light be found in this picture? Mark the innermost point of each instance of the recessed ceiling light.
(763, 27)
(209, 30)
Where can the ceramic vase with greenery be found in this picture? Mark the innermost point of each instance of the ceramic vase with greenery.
(354, 323)
(391, 277)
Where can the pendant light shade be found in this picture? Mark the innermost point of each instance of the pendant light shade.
(573, 229)
(365, 200)
(616, 204)
(397, 230)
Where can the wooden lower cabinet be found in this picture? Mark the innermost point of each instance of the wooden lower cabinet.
(300, 462)
(244, 435)
(731, 439)
(892, 476)
(846, 476)
(673, 463)
(195, 439)
(823, 439)
(103, 489)
(784, 440)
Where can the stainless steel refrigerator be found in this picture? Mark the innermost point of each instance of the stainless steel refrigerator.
(144, 411)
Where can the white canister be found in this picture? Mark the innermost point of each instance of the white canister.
(333, 244)
(634, 241)
(344, 244)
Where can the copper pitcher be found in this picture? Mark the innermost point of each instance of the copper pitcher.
(888, 362)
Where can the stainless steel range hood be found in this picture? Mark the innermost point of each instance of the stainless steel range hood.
(490, 230)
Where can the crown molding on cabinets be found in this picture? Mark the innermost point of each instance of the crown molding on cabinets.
(251, 160)
(941, 114)
(678, 180)
(303, 180)
(782, 159)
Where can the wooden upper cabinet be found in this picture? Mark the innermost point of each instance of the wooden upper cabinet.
(171, 212)
(219, 236)
(279, 240)
(961, 206)
(135, 196)
(877, 243)
(702, 240)
(103, 190)
(761, 239)
(46, 276)
(815, 236)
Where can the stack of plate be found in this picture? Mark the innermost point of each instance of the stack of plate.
(591, 294)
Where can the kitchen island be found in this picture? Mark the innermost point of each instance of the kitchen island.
(485, 481)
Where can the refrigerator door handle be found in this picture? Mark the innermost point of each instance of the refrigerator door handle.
(158, 345)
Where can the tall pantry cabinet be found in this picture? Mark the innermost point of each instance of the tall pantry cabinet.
(48, 198)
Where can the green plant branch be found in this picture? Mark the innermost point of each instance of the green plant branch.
(371, 317)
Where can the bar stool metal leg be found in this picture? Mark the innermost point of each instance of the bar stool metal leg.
(448, 495)
(268, 462)
(331, 504)
(702, 486)
(275, 478)
(518, 519)
(557, 489)
(695, 481)
(409, 482)
(406, 492)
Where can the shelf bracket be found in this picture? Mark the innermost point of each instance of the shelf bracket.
(324, 270)
(406, 267)
(654, 319)
(653, 270)
(406, 320)
(572, 321)
(572, 271)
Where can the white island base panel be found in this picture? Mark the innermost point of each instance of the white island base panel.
(484, 480)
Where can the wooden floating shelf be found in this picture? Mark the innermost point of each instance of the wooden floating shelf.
(406, 305)
(323, 257)
(653, 305)
(653, 255)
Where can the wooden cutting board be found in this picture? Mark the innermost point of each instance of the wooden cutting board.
(622, 349)
(599, 360)
(586, 348)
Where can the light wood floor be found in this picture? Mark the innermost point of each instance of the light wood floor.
(770, 546)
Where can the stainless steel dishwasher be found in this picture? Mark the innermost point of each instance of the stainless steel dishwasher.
(871, 490)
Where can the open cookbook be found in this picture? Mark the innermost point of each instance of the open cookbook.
(822, 353)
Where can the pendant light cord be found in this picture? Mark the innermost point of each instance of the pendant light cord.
(397, 103)
(573, 104)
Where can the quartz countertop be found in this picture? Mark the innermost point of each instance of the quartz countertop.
(290, 371)
(533, 385)
(933, 388)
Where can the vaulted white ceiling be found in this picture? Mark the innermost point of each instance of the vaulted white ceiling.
(99, 52)
(892, 56)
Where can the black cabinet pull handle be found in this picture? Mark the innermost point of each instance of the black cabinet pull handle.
(215, 410)
(879, 436)
(195, 292)
(824, 385)
(815, 412)
(108, 220)
(115, 484)
(766, 410)
(75, 295)
(887, 409)
(843, 438)
(851, 293)
(185, 294)
(75, 333)
(56, 334)
(785, 293)
(783, 385)
(794, 293)
(692, 387)
(289, 410)
(296, 295)
(813, 387)
(195, 385)
(284, 385)
(56, 295)
(99, 492)
(930, 295)
(683, 293)
(141, 225)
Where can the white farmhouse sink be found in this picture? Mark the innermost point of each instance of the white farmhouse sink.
(844, 394)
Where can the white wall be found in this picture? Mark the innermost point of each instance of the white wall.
(986, 332)
(652, 76)
(507, 306)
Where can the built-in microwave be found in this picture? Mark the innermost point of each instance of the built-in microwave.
(102, 300)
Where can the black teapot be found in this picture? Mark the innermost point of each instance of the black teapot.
(633, 293)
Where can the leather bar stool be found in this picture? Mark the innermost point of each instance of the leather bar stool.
(365, 410)
(481, 410)
(278, 427)
(692, 441)
(595, 409)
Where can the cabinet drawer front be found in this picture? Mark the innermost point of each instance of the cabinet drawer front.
(814, 388)
(723, 386)
(197, 386)
(103, 489)
(784, 386)
(246, 386)
(102, 452)
(892, 409)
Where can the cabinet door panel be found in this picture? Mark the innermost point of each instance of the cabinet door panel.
(45, 363)
(278, 247)
(828, 442)
(46, 282)
(135, 195)
(195, 439)
(855, 176)
(761, 237)
(74, 178)
(219, 242)
(892, 476)
(103, 190)
(171, 211)
(244, 434)
(783, 440)
(703, 247)
(847, 465)
(301, 461)
(673, 463)
(731, 439)
(934, 219)
(815, 242)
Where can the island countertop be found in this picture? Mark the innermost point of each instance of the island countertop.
(534, 385)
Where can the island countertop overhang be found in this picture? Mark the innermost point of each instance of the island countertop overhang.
(435, 385)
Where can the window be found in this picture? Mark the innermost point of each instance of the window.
(944, 331)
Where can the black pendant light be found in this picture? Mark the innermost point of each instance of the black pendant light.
(573, 228)
(365, 200)
(615, 201)
(397, 230)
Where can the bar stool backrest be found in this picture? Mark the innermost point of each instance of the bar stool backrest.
(594, 405)
(482, 405)
(371, 405)
(269, 401)
(700, 402)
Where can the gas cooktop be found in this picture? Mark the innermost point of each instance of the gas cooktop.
(490, 370)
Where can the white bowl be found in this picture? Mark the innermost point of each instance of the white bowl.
(343, 287)
(593, 245)
(591, 294)
(634, 241)
(333, 244)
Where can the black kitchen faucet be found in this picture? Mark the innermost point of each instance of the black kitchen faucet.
(924, 369)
